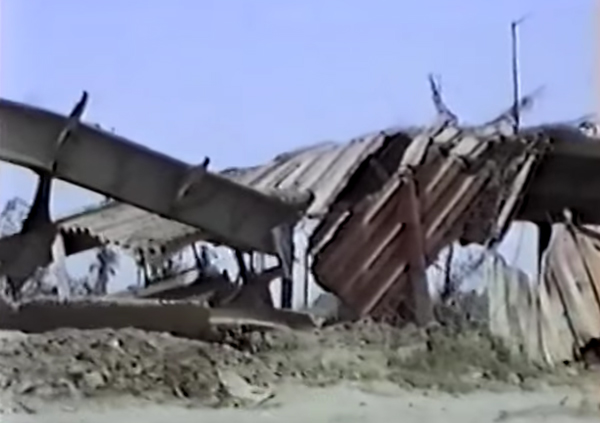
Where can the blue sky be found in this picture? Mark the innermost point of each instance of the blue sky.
(241, 81)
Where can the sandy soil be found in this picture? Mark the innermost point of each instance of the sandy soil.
(376, 403)
(354, 372)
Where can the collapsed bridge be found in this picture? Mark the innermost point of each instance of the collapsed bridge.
(384, 205)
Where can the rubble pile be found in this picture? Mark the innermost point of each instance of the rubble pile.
(100, 364)
(78, 364)
(439, 357)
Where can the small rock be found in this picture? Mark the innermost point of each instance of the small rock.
(115, 343)
(94, 380)
(238, 387)
(477, 375)
(407, 351)
(514, 379)
(27, 387)
(73, 391)
(47, 392)
(571, 371)
(76, 369)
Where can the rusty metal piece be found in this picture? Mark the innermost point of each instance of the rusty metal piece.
(416, 268)
(374, 258)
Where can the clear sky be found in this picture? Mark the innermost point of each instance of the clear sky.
(241, 81)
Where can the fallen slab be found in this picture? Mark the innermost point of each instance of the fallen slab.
(187, 319)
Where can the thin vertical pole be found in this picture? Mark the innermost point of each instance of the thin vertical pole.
(515, 73)
(515, 70)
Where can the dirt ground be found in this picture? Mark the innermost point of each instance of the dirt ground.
(372, 403)
(250, 375)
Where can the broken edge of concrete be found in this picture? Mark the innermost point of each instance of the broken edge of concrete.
(186, 319)
(189, 319)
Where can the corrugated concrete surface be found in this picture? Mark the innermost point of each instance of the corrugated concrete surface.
(323, 170)
(128, 227)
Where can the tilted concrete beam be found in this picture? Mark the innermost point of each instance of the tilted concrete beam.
(227, 212)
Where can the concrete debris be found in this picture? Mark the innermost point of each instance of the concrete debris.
(67, 364)
(186, 319)
(370, 198)
(29, 140)
(76, 365)
(383, 207)
(330, 309)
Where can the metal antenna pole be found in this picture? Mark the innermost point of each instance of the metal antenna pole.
(515, 74)
(514, 35)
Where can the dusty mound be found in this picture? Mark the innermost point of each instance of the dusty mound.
(75, 364)
(439, 357)
(105, 363)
